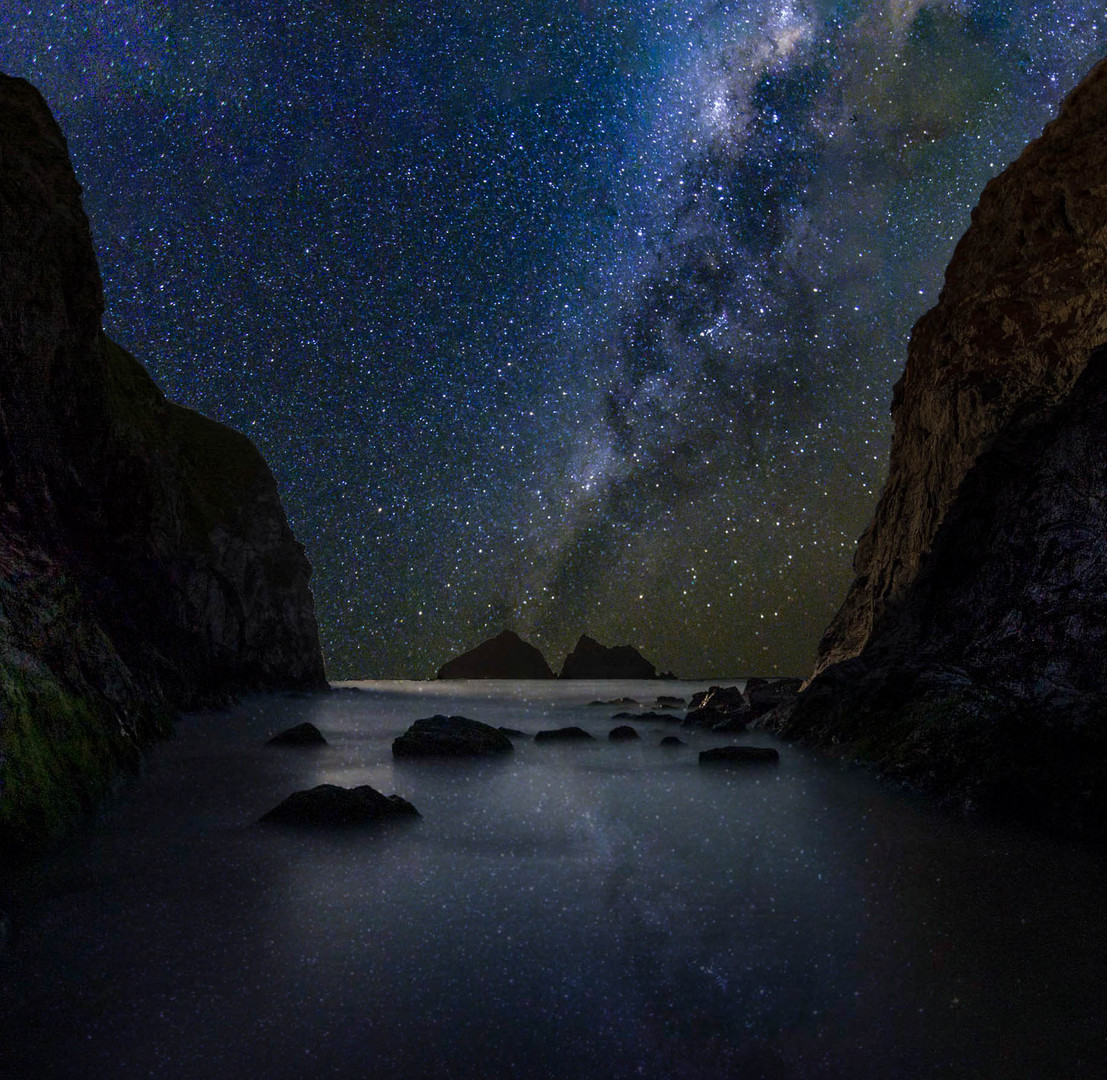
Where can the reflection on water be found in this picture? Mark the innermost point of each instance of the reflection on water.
(599, 910)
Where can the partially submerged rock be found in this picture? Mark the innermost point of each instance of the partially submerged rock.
(506, 656)
(622, 733)
(564, 734)
(305, 734)
(331, 807)
(721, 708)
(738, 755)
(672, 741)
(451, 737)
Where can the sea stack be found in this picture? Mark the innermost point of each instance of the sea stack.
(591, 660)
(971, 653)
(506, 656)
(147, 561)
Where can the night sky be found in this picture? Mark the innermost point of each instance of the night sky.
(566, 317)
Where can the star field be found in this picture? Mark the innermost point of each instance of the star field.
(568, 317)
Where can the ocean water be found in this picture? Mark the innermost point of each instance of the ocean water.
(575, 911)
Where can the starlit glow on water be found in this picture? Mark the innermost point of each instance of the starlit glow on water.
(594, 910)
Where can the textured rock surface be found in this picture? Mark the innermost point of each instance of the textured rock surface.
(983, 675)
(145, 560)
(591, 660)
(1024, 303)
(506, 656)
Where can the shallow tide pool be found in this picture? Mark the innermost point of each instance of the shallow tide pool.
(574, 911)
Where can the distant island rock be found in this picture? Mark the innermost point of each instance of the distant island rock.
(591, 660)
(148, 563)
(970, 656)
(506, 656)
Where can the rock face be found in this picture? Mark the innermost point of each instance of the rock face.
(591, 660)
(506, 656)
(1024, 304)
(145, 560)
(983, 671)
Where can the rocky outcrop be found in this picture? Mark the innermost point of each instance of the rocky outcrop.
(591, 660)
(506, 656)
(1024, 304)
(145, 560)
(982, 674)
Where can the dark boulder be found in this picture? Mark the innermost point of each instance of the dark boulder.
(591, 660)
(304, 734)
(565, 734)
(512, 733)
(672, 741)
(737, 755)
(506, 656)
(667, 701)
(622, 733)
(450, 737)
(331, 807)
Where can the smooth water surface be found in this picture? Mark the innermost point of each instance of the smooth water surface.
(575, 911)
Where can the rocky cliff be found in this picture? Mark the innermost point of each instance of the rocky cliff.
(970, 654)
(145, 560)
(1024, 303)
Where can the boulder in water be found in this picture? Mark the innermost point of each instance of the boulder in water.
(331, 807)
(451, 737)
(305, 734)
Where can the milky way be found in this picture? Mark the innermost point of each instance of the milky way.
(569, 317)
